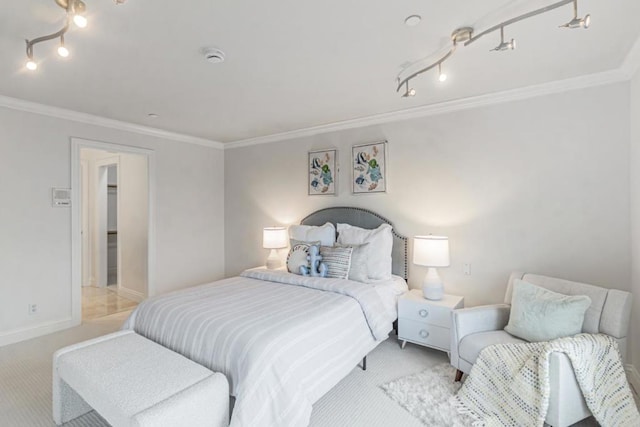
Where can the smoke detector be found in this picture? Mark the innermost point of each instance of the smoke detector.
(213, 55)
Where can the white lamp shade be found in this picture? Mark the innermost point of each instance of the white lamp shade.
(431, 251)
(275, 238)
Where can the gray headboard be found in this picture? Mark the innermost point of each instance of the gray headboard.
(364, 218)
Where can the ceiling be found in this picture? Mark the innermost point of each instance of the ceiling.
(291, 64)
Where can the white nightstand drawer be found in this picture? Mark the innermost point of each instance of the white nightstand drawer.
(422, 333)
(421, 312)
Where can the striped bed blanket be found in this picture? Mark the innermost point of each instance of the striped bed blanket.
(509, 383)
(281, 339)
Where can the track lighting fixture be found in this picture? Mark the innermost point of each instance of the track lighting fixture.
(577, 22)
(75, 10)
(505, 45)
(466, 36)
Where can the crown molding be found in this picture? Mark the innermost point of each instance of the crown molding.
(558, 86)
(90, 119)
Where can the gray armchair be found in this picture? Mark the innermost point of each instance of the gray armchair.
(475, 328)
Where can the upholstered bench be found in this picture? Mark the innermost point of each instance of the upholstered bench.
(132, 381)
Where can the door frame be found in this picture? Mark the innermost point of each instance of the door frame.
(101, 203)
(87, 278)
(76, 217)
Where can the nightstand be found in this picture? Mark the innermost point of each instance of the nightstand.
(426, 322)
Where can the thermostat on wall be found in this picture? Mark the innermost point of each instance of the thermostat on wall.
(60, 197)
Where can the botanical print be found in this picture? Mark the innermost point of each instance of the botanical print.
(322, 172)
(369, 168)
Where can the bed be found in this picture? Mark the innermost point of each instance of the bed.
(283, 340)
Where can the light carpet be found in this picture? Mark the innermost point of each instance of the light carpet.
(357, 401)
(25, 382)
(427, 396)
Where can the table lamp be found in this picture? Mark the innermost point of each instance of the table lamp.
(431, 251)
(274, 238)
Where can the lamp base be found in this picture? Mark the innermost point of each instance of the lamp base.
(432, 286)
(273, 261)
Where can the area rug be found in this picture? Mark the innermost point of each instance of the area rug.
(427, 396)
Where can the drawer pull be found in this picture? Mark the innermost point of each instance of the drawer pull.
(423, 333)
(423, 313)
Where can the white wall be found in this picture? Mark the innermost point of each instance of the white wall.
(35, 242)
(635, 223)
(539, 185)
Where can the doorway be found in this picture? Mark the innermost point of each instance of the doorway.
(112, 226)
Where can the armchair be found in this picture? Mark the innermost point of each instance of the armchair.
(475, 328)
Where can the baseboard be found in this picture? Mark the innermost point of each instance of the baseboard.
(130, 294)
(23, 334)
(634, 378)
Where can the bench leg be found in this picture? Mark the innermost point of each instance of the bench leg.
(67, 404)
(459, 375)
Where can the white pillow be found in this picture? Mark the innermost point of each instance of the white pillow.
(359, 269)
(380, 244)
(326, 234)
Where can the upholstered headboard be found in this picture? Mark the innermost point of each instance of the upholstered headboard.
(364, 218)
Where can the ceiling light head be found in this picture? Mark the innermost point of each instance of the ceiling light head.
(62, 49)
(153, 115)
(577, 22)
(80, 21)
(442, 77)
(119, 1)
(508, 45)
(213, 55)
(31, 65)
(505, 45)
(412, 21)
(409, 92)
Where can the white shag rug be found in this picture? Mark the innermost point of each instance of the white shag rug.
(427, 396)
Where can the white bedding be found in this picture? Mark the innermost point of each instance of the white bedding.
(282, 341)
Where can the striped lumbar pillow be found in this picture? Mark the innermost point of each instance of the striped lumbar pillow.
(338, 261)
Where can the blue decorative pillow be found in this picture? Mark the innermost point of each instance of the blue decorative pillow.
(538, 314)
(297, 256)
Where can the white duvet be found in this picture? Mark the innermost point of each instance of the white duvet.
(282, 340)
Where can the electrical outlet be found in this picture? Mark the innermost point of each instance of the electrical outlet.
(466, 269)
(33, 309)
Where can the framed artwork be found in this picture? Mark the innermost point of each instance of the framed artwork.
(369, 166)
(323, 167)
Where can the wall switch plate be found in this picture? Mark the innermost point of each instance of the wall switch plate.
(33, 309)
(466, 269)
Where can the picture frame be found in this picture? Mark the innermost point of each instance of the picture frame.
(369, 168)
(322, 168)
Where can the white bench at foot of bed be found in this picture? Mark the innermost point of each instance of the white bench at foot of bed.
(132, 381)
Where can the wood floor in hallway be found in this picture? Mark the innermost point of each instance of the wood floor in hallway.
(100, 302)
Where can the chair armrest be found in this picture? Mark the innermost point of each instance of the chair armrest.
(483, 318)
(467, 321)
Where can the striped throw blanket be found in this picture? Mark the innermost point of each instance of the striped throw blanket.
(509, 383)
